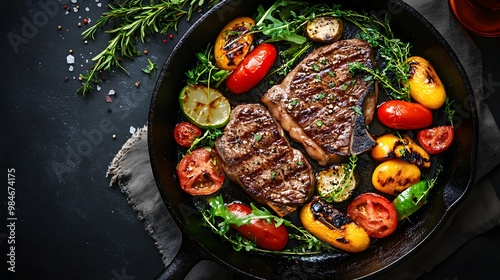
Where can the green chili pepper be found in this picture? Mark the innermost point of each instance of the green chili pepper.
(411, 199)
(414, 197)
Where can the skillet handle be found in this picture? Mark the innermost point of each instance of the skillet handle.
(190, 253)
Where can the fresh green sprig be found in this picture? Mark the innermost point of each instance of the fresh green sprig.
(219, 219)
(448, 110)
(378, 34)
(206, 71)
(206, 140)
(151, 68)
(133, 19)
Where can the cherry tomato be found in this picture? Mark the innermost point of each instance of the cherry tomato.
(375, 213)
(252, 69)
(436, 140)
(185, 133)
(265, 234)
(398, 114)
(200, 172)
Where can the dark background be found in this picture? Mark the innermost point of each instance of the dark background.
(70, 224)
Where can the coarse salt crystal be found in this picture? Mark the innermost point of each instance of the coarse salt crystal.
(70, 68)
(111, 92)
(132, 130)
(74, 1)
(98, 88)
(99, 5)
(70, 59)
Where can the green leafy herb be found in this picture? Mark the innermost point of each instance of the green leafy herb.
(357, 110)
(206, 140)
(151, 68)
(219, 219)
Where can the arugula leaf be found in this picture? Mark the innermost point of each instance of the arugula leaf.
(219, 218)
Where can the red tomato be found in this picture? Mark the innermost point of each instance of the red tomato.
(398, 114)
(374, 213)
(265, 234)
(437, 139)
(185, 133)
(252, 69)
(200, 172)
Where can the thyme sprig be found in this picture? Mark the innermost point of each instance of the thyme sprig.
(133, 20)
(220, 219)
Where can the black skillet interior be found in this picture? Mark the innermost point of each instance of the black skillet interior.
(454, 185)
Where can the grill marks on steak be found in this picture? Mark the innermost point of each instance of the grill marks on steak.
(256, 155)
(320, 102)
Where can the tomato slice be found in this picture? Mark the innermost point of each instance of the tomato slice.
(185, 133)
(437, 139)
(398, 114)
(265, 234)
(374, 213)
(252, 69)
(200, 172)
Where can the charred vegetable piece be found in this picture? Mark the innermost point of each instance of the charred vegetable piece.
(390, 146)
(233, 43)
(394, 176)
(325, 29)
(337, 183)
(333, 227)
(425, 86)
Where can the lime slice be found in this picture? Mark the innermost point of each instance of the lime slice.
(205, 107)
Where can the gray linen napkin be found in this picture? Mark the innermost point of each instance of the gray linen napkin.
(131, 171)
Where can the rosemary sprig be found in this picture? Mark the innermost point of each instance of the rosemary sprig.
(134, 19)
(308, 243)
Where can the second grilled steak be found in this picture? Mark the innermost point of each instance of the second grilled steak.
(324, 106)
(256, 155)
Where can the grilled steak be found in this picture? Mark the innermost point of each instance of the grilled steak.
(324, 106)
(256, 155)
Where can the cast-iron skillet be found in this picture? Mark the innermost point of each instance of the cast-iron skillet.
(200, 243)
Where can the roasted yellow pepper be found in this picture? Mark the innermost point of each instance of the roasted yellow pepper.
(394, 176)
(333, 227)
(390, 146)
(233, 43)
(425, 86)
